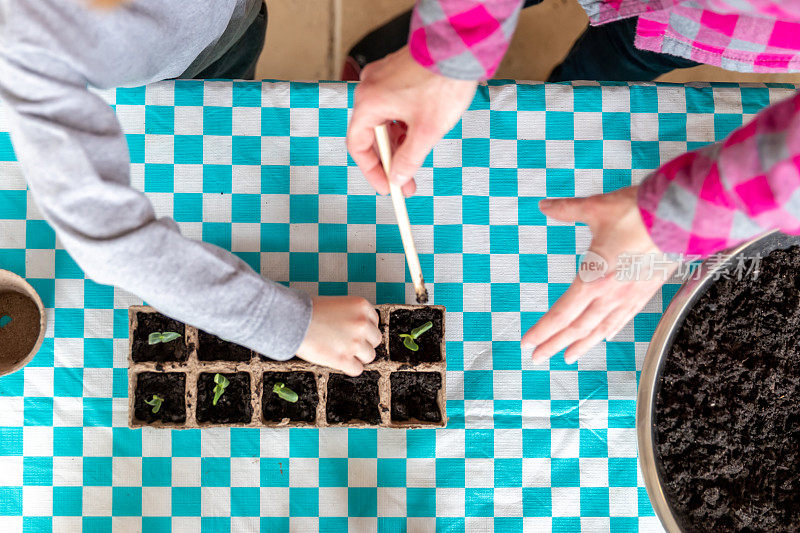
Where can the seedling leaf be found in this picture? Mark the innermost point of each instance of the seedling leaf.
(168, 336)
(5, 320)
(408, 342)
(158, 337)
(221, 384)
(409, 338)
(416, 332)
(156, 402)
(285, 392)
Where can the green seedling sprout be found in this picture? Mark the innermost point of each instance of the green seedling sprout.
(167, 336)
(156, 402)
(409, 338)
(5, 320)
(221, 384)
(285, 392)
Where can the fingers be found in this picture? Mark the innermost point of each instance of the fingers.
(360, 141)
(343, 334)
(373, 336)
(350, 365)
(613, 306)
(583, 325)
(366, 352)
(421, 106)
(409, 188)
(621, 318)
(410, 155)
(372, 168)
(614, 331)
(611, 323)
(565, 310)
(368, 336)
(565, 209)
(353, 364)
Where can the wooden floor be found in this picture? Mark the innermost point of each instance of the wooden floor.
(308, 39)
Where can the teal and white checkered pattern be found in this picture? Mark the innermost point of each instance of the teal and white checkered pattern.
(261, 169)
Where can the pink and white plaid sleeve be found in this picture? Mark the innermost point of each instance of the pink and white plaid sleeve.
(463, 39)
(725, 193)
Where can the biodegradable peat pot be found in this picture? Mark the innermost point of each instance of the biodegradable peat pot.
(718, 412)
(23, 322)
(401, 388)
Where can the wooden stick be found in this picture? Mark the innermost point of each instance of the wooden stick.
(400, 211)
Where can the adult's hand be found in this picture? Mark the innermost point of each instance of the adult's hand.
(343, 334)
(398, 88)
(593, 310)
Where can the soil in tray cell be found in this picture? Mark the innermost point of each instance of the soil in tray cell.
(430, 342)
(170, 387)
(728, 405)
(212, 348)
(147, 323)
(353, 399)
(233, 407)
(276, 408)
(414, 396)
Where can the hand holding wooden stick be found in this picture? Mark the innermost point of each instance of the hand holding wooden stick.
(400, 211)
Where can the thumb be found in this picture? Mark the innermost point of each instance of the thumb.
(565, 209)
(411, 154)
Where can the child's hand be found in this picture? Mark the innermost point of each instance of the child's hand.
(343, 334)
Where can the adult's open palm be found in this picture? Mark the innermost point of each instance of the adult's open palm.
(595, 309)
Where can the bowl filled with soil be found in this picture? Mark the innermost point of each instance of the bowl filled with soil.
(718, 410)
(22, 322)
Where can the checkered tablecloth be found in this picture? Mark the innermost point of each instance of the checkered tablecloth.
(261, 169)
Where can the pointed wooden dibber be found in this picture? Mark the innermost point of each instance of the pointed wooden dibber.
(400, 211)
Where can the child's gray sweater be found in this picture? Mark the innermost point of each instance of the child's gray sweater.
(76, 161)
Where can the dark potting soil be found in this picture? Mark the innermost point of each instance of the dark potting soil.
(19, 336)
(234, 406)
(212, 348)
(276, 408)
(381, 353)
(171, 387)
(414, 396)
(728, 406)
(147, 323)
(430, 342)
(353, 398)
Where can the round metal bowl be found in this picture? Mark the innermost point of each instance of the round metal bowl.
(657, 353)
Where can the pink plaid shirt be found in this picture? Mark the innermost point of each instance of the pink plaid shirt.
(702, 201)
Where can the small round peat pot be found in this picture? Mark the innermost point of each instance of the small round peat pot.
(22, 322)
(717, 432)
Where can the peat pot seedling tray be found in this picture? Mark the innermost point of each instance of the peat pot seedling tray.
(401, 388)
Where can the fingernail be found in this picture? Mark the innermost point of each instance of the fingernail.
(545, 202)
(527, 346)
(399, 179)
